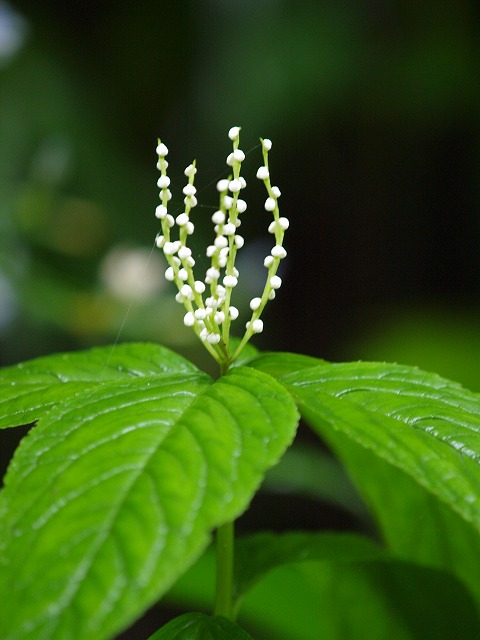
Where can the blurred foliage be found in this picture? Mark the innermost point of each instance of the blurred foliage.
(437, 338)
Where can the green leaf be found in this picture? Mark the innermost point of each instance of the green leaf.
(365, 601)
(198, 626)
(282, 363)
(258, 554)
(419, 422)
(316, 473)
(372, 599)
(115, 492)
(411, 442)
(29, 389)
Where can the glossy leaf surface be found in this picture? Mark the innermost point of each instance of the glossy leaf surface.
(279, 364)
(29, 389)
(419, 422)
(411, 442)
(114, 494)
(258, 554)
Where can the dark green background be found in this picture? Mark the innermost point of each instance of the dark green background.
(373, 110)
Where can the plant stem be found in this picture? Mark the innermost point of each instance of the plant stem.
(225, 552)
(224, 585)
(224, 366)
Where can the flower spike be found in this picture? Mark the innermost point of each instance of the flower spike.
(211, 315)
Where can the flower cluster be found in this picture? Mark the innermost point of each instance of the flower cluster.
(207, 302)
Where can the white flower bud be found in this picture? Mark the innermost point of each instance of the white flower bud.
(268, 261)
(238, 155)
(189, 190)
(186, 291)
(200, 314)
(278, 251)
(241, 205)
(183, 274)
(199, 286)
(276, 192)
(227, 202)
(190, 171)
(160, 212)
(230, 160)
(213, 273)
(233, 313)
(213, 338)
(190, 200)
(219, 317)
(169, 248)
(239, 241)
(262, 173)
(220, 242)
(229, 229)
(275, 282)
(269, 204)
(255, 303)
(234, 186)
(267, 144)
(181, 219)
(218, 217)
(222, 185)
(234, 133)
(230, 281)
(190, 228)
(256, 326)
(162, 150)
(184, 252)
(163, 182)
(189, 319)
(160, 241)
(169, 274)
(284, 223)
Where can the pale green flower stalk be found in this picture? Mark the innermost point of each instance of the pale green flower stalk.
(208, 302)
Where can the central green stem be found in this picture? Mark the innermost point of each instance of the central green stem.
(224, 585)
(225, 540)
